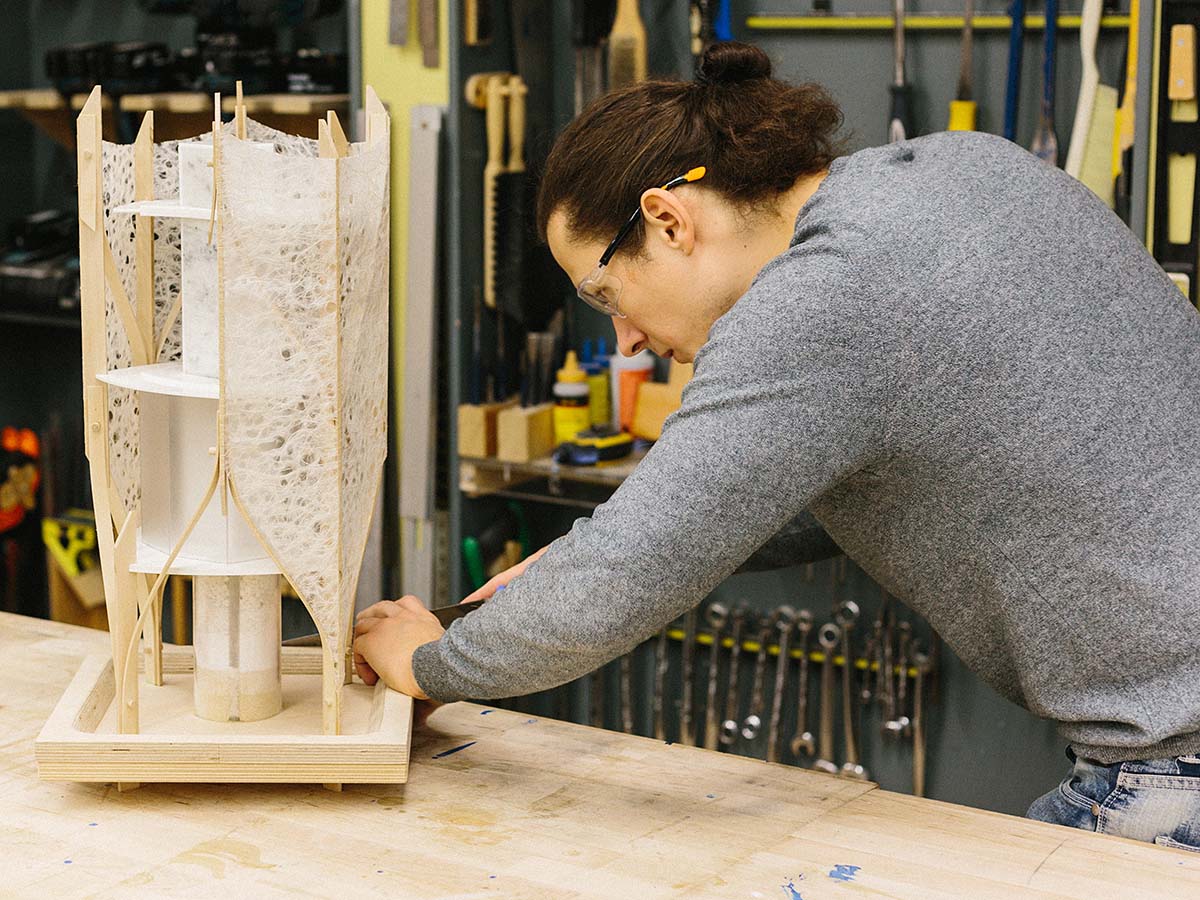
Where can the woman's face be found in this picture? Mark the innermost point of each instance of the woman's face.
(686, 278)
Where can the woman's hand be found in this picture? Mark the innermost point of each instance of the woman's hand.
(499, 581)
(385, 637)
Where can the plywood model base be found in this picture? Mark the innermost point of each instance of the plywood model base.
(80, 741)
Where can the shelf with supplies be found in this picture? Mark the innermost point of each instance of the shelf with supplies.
(185, 114)
(922, 22)
(488, 476)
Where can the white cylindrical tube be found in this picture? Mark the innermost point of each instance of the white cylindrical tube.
(236, 637)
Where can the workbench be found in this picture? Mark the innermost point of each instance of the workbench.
(503, 804)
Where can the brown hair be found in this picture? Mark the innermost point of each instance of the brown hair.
(754, 134)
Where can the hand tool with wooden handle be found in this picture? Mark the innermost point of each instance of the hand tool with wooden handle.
(717, 616)
(962, 107)
(802, 739)
(1123, 133)
(828, 638)
(785, 624)
(626, 47)
(1089, 158)
(477, 23)
(495, 114)
(729, 725)
(1181, 167)
(1045, 141)
(846, 616)
(900, 123)
(591, 21)
(687, 730)
(1016, 52)
(918, 724)
(752, 724)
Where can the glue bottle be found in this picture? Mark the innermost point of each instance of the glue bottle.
(571, 412)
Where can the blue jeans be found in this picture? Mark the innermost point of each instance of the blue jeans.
(1155, 800)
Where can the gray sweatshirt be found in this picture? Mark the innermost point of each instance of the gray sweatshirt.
(978, 382)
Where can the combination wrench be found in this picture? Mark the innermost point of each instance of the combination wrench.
(660, 685)
(717, 617)
(752, 724)
(802, 740)
(846, 616)
(901, 725)
(729, 727)
(626, 695)
(784, 626)
(828, 638)
(687, 733)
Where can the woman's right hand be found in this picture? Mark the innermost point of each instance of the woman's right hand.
(499, 581)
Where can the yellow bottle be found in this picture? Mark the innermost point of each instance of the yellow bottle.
(571, 413)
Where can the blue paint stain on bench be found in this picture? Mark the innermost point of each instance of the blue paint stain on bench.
(844, 873)
(453, 750)
(790, 891)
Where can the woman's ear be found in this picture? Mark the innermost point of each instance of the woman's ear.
(667, 220)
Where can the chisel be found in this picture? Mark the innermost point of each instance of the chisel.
(962, 107)
(626, 47)
(900, 124)
(1016, 50)
(1045, 142)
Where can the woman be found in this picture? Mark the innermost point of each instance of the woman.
(943, 355)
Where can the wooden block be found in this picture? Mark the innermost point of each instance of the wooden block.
(76, 599)
(477, 427)
(656, 401)
(525, 433)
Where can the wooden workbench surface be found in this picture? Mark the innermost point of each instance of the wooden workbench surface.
(525, 807)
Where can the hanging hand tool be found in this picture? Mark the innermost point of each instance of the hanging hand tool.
(828, 638)
(1089, 158)
(729, 726)
(900, 725)
(626, 693)
(597, 690)
(785, 624)
(723, 21)
(626, 47)
(802, 740)
(1016, 51)
(1126, 116)
(717, 616)
(900, 126)
(846, 616)
(918, 724)
(1045, 142)
(962, 107)
(752, 724)
(494, 112)
(1181, 167)
(687, 731)
(591, 21)
(660, 685)
(477, 23)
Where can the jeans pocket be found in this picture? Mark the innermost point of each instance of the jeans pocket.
(1154, 807)
(1166, 841)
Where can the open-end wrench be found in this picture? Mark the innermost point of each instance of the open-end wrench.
(729, 725)
(921, 661)
(597, 695)
(660, 685)
(901, 725)
(802, 740)
(752, 724)
(846, 616)
(886, 686)
(717, 617)
(785, 624)
(626, 699)
(877, 638)
(828, 638)
(687, 732)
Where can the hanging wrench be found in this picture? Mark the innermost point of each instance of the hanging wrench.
(784, 625)
(828, 639)
(921, 661)
(885, 686)
(802, 740)
(901, 725)
(687, 733)
(729, 727)
(626, 685)
(597, 693)
(717, 616)
(660, 683)
(846, 616)
(752, 724)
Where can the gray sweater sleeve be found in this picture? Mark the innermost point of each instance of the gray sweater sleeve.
(801, 540)
(782, 406)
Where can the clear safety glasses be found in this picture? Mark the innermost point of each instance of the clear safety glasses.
(601, 290)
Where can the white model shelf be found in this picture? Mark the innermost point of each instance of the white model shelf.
(166, 378)
(150, 561)
(163, 209)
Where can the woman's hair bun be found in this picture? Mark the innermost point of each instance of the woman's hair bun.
(730, 62)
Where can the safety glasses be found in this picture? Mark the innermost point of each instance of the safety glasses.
(601, 290)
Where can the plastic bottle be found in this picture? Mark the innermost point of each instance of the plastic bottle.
(628, 373)
(571, 412)
(597, 381)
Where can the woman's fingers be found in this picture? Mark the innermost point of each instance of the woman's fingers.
(382, 609)
(499, 581)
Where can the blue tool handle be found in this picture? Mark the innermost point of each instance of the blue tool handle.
(1016, 45)
(1048, 63)
(723, 24)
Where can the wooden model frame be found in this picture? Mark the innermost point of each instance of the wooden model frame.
(73, 745)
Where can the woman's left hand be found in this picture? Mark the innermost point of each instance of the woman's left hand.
(385, 637)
